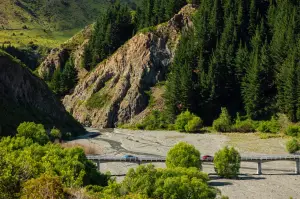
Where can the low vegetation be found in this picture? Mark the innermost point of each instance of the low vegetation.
(180, 180)
(188, 122)
(227, 162)
(293, 145)
(35, 132)
(223, 123)
(28, 156)
(183, 155)
(97, 100)
(46, 186)
(293, 130)
(271, 126)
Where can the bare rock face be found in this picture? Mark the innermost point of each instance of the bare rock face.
(115, 91)
(56, 59)
(25, 97)
(74, 48)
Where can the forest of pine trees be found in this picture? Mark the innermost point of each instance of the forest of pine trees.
(112, 29)
(242, 55)
(118, 24)
(63, 79)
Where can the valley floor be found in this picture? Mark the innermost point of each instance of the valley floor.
(277, 182)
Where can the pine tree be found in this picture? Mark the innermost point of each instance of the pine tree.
(68, 76)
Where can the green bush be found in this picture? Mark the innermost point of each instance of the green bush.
(227, 162)
(170, 183)
(292, 145)
(24, 160)
(183, 155)
(194, 125)
(55, 134)
(271, 126)
(97, 100)
(293, 130)
(34, 131)
(246, 126)
(188, 122)
(182, 120)
(223, 123)
(156, 120)
(45, 186)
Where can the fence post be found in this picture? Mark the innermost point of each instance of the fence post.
(259, 172)
(297, 169)
(98, 165)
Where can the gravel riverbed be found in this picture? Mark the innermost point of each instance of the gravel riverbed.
(277, 182)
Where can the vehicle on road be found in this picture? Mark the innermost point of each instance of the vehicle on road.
(207, 157)
(130, 156)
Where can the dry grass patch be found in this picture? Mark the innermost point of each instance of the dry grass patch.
(88, 150)
(251, 142)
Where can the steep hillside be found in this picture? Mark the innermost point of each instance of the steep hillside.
(24, 97)
(74, 48)
(115, 91)
(54, 14)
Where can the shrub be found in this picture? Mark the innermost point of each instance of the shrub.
(97, 100)
(293, 130)
(43, 187)
(183, 155)
(246, 126)
(292, 145)
(182, 120)
(271, 126)
(34, 131)
(194, 125)
(25, 160)
(227, 162)
(175, 183)
(156, 120)
(55, 134)
(188, 122)
(223, 123)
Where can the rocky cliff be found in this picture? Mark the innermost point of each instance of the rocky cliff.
(74, 48)
(115, 91)
(25, 97)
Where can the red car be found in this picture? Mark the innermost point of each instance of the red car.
(207, 157)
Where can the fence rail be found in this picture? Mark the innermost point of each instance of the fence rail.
(146, 159)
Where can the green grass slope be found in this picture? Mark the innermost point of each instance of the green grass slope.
(47, 22)
(50, 14)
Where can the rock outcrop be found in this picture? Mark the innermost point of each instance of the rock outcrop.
(74, 48)
(115, 91)
(25, 97)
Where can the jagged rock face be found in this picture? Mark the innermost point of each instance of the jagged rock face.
(56, 59)
(115, 91)
(59, 56)
(25, 97)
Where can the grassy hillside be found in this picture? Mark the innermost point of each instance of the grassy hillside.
(54, 14)
(47, 22)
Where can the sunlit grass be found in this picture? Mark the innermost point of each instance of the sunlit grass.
(36, 36)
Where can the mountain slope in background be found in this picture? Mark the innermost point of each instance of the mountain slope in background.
(51, 14)
(115, 91)
(24, 97)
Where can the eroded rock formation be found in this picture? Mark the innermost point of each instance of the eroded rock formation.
(115, 91)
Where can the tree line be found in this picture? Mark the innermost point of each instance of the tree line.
(118, 24)
(242, 55)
